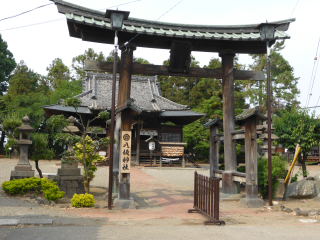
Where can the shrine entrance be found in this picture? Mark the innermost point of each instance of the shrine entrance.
(181, 40)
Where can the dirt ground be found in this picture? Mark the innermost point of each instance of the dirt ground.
(162, 197)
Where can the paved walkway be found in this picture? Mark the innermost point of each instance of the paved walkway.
(162, 196)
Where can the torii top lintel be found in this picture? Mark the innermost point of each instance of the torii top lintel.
(91, 25)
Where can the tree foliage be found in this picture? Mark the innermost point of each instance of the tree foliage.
(78, 62)
(7, 65)
(283, 82)
(196, 137)
(298, 127)
(85, 148)
(58, 73)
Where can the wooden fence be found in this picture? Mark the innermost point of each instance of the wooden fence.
(206, 198)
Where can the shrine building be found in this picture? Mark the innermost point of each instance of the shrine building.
(151, 111)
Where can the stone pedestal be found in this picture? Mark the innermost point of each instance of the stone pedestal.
(124, 203)
(69, 179)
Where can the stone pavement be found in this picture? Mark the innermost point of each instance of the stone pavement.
(163, 197)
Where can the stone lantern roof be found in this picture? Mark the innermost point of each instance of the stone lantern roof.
(25, 127)
(71, 127)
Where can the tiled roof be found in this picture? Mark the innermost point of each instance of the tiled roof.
(212, 122)
(136, 25)
(144, 92)
(250, 112)
(89, 24)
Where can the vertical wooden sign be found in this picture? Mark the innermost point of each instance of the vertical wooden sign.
(125, 151)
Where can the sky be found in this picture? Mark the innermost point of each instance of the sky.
(39, 44)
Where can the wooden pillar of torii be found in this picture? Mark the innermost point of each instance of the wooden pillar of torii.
(126, 115)
(230, 157)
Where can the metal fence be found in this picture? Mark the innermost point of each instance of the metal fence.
(206, 198)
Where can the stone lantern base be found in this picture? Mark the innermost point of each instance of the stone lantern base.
(69, 179)
(22, 171)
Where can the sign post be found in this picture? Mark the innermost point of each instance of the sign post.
(125, 151)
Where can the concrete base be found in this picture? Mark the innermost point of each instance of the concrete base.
(114, 196)
(21, 174)
(124, 203)
(70, 184)
(49, 176)
(251, 203)
(230, 197)
(24, 168)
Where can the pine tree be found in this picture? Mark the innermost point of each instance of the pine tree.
(78, 62)
(283, 82)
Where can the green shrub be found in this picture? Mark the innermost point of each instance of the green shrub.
(294, 178)
(49, 188)
(278, 171)
(82, 200)
(241, 169)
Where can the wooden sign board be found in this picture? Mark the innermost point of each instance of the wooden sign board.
(172, 151)
(125, 150)
(148, 132)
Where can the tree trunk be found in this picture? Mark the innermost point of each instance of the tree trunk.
(303, 164)
(3, 135)
(87, 181)
(38, 169)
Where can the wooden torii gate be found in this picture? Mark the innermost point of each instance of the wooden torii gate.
(227, 73)
(181, 39)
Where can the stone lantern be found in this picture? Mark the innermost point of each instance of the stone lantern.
(69, 178)
(71, 129)
(23, 168)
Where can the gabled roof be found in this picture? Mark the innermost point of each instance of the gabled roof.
(91, 25)
(145, 93)
(145, 98)
(250, 112)
(129, 104)
(215, 121)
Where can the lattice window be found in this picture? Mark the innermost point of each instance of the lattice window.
(171, 137)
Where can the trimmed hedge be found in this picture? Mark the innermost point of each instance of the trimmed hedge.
(82, 200)
(47, 187)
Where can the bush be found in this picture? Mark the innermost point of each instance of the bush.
(47, 187)
(82, 200)
(278, 171)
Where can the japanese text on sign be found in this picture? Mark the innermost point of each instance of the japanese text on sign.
(125, 151)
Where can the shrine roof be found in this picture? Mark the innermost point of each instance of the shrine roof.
(145, 93)
(250, 112)
(91, 25)
(145, 97)
(56, 109)
(181, 117)
(211, 122)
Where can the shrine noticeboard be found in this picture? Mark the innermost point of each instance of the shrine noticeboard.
(172, 151)
(125, 151)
